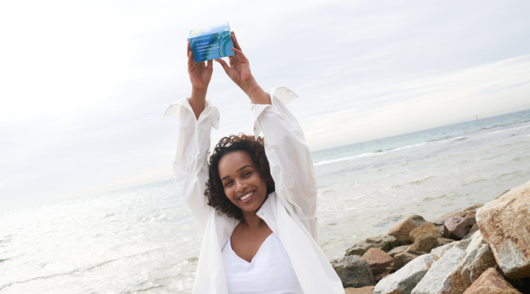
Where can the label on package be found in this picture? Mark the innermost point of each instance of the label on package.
(211, 42)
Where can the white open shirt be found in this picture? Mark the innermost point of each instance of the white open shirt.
(290, 212)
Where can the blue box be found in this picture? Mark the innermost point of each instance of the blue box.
(211, 42)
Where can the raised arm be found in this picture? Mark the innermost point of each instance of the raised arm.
(197, 117)
(289, 157)
(239, 72)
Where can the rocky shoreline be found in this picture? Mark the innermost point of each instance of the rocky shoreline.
(484, 248)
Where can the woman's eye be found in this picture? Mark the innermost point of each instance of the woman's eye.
(228, 184)
(246, 174)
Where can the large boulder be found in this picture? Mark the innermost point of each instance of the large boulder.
(458, 268)
(383, 242)
(458, 227)
(433, 281)
(403, 229)
(505, 225)
(353, 272)
(426, 229)
(405, 279)
(490, 282)
(381, 264)
(477, 260)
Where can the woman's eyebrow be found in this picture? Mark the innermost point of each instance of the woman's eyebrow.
(244, 167)
(237, 171)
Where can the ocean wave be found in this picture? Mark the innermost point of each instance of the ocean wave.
(367, 154)
(449, 138)
(414, 182)
(65, 273)
(346, 158)
(509, 128)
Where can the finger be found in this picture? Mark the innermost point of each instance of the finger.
(239, 53)
(210, 65)
(223, 64)
(191, 60)
(236, 43)
(189, 47)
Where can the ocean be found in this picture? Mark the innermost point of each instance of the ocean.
(145, 240)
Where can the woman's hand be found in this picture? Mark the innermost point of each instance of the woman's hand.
(200, 76)
(239, 72)
(200, 73)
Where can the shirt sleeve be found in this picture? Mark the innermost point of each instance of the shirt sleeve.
(289, 157)
(191, 161)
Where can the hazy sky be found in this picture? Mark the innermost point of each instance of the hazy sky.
(84, 84)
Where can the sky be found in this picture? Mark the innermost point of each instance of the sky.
(84, 84)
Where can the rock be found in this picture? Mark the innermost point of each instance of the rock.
(505, 225)
(397, 250)
(363, 290)
(490, 282)
(474, 228)
(439, 224)
(473, 207)
(472, 214)
(403, 229)
(423, 230)
(502, 194)
(458, 227)
(440, 251)
(381, 264)
(383, 242)
(433, 281)
(405, 279)
(402, 259)
(461, 213)
(477, 260)
(442, 242)
(424, 243)
(458, 269)
(353, 272)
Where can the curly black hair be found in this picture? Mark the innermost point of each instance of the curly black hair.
(214, 187)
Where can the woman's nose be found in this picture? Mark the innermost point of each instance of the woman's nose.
(240, 185)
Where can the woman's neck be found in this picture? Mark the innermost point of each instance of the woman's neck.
(252, 221)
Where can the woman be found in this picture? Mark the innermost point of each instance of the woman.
(259, 213)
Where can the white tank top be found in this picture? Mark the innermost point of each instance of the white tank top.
(269, 272)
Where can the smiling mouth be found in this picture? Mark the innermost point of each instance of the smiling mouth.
(246, 197)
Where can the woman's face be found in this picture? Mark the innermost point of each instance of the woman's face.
(242, 183)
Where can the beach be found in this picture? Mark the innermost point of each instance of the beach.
(144, 239)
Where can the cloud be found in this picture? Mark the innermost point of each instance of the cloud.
(418, 103)
(84, 84)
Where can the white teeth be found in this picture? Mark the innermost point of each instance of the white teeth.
(246, 196)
